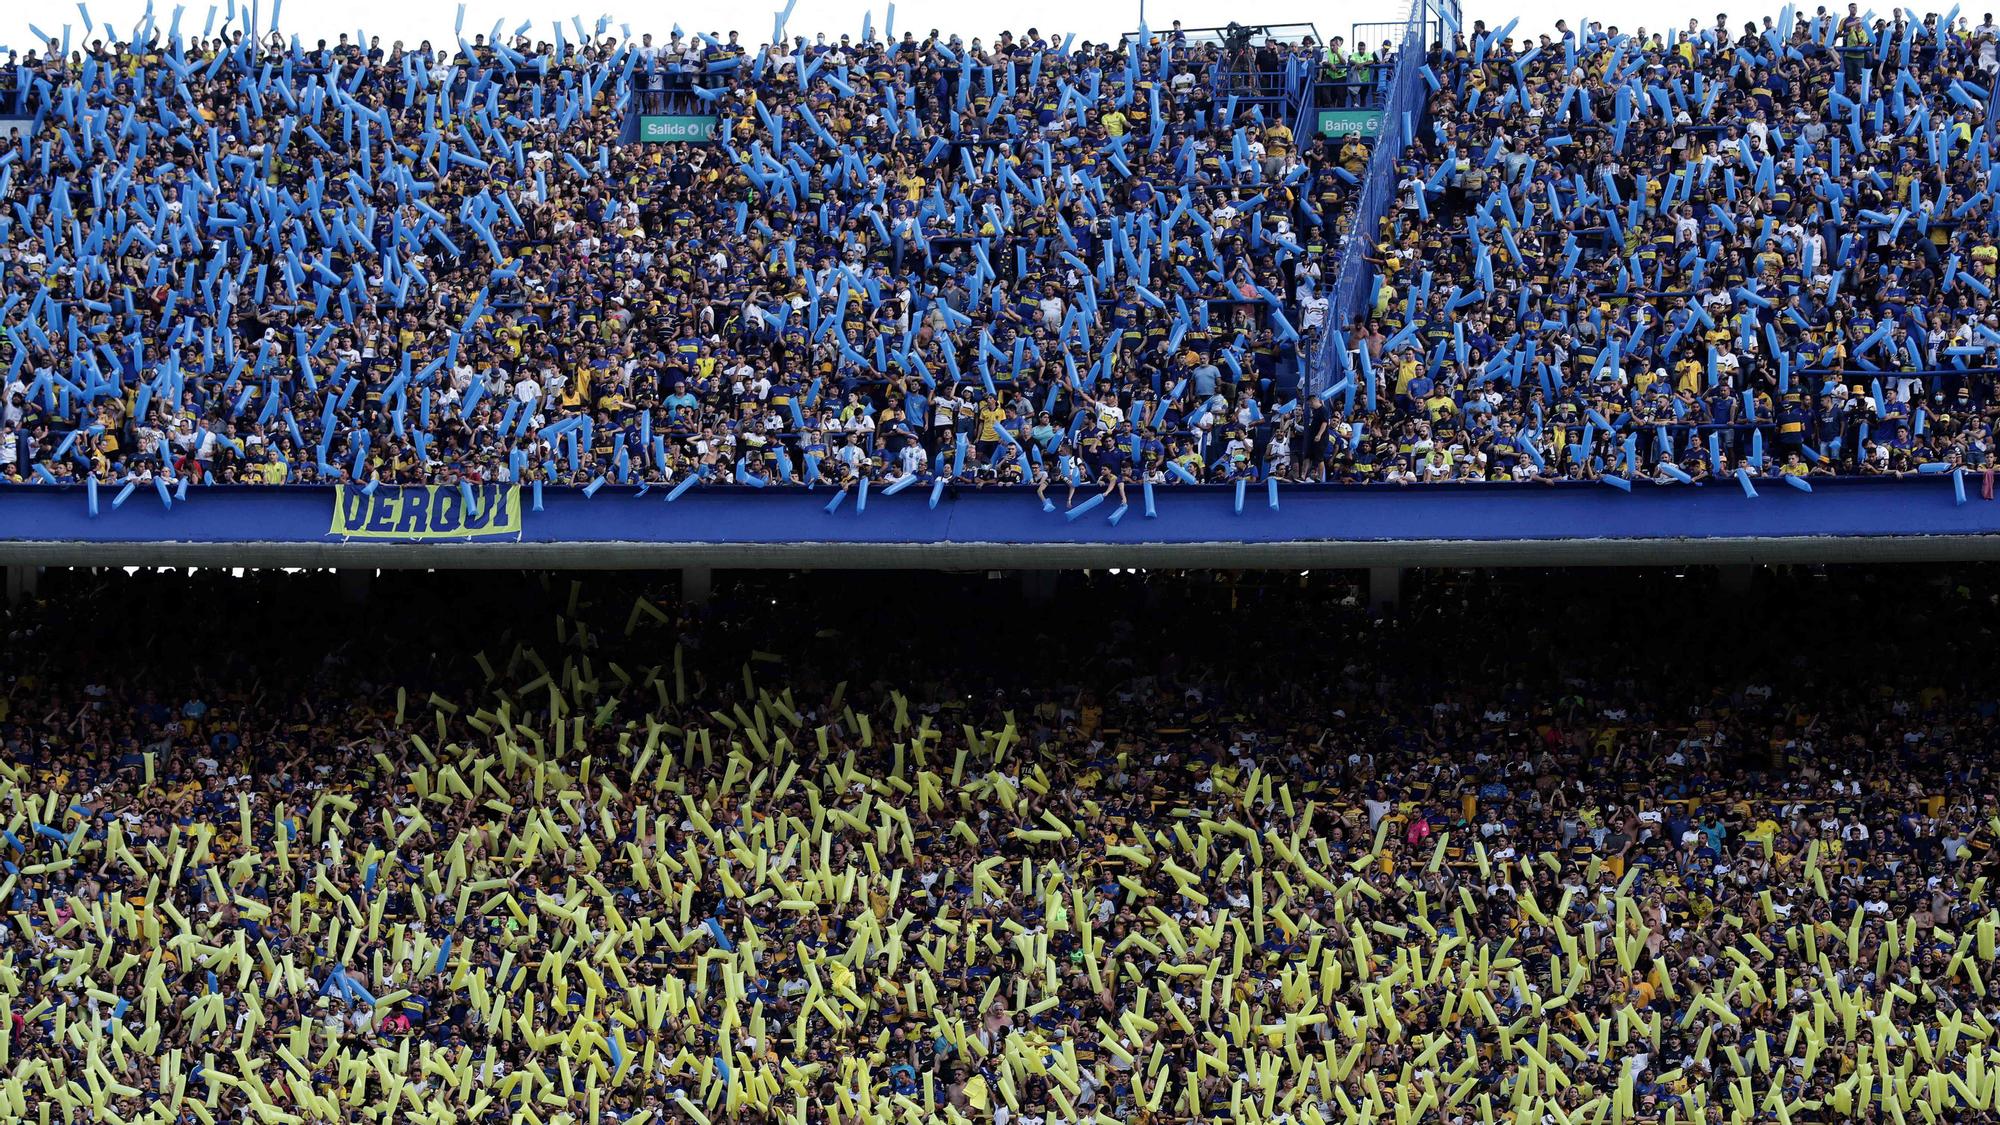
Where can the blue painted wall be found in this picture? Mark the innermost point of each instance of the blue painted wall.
(1476, 513)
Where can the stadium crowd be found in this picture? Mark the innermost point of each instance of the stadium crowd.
(1668, 256)
(521, 848)
(237, 257)
(1766, 248)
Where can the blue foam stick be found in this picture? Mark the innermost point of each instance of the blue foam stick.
(124, 494)
(1958, 486)
(1743, 478)
(90, 494)
(937, 492)
(1618, 482)
(679, 489)
(1074, 513)
(1676, 472)
(833, 505)
(1797, 482)
(1271, 487)
(1242, 486)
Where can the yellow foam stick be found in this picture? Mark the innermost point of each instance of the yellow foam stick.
(1130, 855)
(694, 1111)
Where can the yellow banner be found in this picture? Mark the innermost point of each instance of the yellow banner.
(414, 513)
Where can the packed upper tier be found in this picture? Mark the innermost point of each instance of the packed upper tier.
(1036, 259)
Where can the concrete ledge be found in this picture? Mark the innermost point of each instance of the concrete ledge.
(1014, 556)
(1860, 520)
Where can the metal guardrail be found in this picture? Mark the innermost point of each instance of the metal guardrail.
(1260, 33)
(1403, 105)
(1275, 93)
(1366, 33)
(1992, 116)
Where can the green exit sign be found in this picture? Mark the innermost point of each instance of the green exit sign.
(671, 130)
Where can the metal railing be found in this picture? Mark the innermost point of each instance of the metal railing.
(1993, 116)
(1402, 107)
(1259, 33)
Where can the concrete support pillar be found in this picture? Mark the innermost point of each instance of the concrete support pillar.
(1039, 586)
(697, 583)
(21, 583)
(1736, 579)
(354, 584)
(1385, 589)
